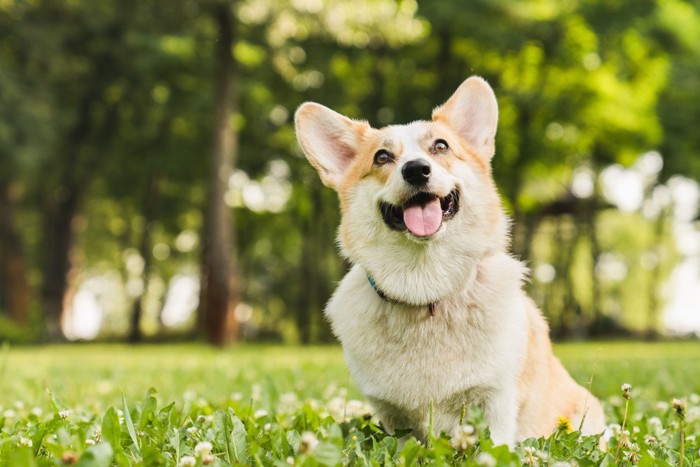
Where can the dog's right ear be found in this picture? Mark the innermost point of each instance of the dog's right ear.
(329, 140)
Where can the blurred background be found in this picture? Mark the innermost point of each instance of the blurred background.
(151, 187)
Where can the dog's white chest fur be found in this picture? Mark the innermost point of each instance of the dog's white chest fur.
(402, 357)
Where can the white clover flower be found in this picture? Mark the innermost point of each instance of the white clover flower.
(529, 457)
(187, 461)
(260, 413)
(615, 428)
(357, 408)
(662, 406)
(192, 430)
(25, 442)
(313, 403)
(267, 427)
(330, 391)
(290, 460)
(626, 391)
(463, 437)
(9, 413)
(679, 408)
(236, 396)
(484, 459)
(625, 439)
(655, 425)
(650, 439)
(633, 455)
(90, 442)
(694, 398)
(336, 408)
(692, 414)
(64, 414)
(203, 448)
(19, 405)
(37, 412)
(308, 442)
(288, 403)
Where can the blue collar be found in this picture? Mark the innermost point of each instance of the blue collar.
(386, 298)
(381, 294)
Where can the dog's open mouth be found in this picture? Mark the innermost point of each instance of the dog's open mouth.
(422, 215)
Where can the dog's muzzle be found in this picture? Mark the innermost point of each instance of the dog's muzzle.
(422, 214)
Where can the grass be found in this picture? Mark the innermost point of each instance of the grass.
(272, 405)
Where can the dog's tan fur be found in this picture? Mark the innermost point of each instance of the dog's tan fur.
(486, 344)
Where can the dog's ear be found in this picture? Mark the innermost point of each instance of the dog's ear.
(472, 111)
(329, 140)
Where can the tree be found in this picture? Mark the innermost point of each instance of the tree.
(220, 289)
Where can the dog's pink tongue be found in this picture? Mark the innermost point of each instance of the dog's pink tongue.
(423, 220)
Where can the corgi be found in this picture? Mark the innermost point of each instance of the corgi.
(432, 312)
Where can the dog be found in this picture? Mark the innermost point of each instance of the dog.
(432, 313)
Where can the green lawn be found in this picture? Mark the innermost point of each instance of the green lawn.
(253, 379)
(97, 374)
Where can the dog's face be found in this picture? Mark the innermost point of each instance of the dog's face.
(418, 202)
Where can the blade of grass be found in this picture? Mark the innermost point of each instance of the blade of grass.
(130, 425)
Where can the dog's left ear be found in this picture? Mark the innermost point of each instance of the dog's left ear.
(472, 111)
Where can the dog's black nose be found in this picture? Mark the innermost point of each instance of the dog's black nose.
(416, 172)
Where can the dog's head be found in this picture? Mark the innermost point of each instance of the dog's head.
(419, 206)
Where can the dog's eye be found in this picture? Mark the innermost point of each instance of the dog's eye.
(440, 146)
(382, 157)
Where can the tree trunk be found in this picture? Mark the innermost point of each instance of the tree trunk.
(60, 209)
(15, 294)
(596, 295)
(652, 327)
(308, 310)
(59, 237)
(149, 208)
(519, 232)
(220, 288)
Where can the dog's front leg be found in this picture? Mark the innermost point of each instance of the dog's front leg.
(501, 412)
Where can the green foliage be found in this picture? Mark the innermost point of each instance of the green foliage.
(284, 422)
(111, 106)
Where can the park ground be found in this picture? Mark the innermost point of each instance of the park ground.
(93, 381)
(97, 374)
